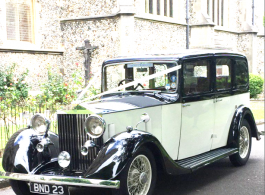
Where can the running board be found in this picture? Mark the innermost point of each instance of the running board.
(202, 160)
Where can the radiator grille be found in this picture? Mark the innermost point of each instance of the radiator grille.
(72, 137)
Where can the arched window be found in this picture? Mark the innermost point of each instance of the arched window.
(19, 20)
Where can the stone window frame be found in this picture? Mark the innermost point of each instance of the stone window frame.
(17, 43)
(157, 7)
(216, 11)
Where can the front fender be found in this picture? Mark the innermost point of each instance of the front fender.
(241, 113)
(20, 153)
(117, 151)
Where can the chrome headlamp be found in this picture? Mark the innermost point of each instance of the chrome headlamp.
(95, 126)
(40, 124)
(64, 159)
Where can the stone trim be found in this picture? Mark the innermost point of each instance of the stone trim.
(94, 17)
(234, 32)
(260, 35)
(32, 51)
(164, 20)
(203, 25)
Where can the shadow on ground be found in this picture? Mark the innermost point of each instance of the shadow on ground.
(208, 180)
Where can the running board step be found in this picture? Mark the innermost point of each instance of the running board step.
(205, 159)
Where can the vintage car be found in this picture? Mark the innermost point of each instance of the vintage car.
(172, 113)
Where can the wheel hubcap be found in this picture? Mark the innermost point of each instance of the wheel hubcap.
(139, 176)
(143, 178)
(244, 142)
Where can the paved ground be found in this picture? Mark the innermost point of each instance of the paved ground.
(220, 178)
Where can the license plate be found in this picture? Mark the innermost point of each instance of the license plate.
(48, 189)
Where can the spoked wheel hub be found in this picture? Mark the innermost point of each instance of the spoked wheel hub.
(143, 178)
(139, 176)
(244, 141)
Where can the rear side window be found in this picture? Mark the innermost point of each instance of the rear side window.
(223, 73)
(241, 70)
(196, 76)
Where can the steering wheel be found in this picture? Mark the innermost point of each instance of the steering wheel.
(121, 83)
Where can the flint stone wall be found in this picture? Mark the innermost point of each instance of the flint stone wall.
(1, 26)
(226, 40)
(51, 34)
(51, 12)
(102, 33)
(151, 36)
(148, 36)
(37, 64)
(260, 55)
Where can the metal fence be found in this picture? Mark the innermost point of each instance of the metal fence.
(16, 117)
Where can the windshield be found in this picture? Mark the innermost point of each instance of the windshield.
(120, 74)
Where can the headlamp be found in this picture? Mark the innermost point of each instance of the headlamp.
(40, 124)
(64, 159)
(95, 126)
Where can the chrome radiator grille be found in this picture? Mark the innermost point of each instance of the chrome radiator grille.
(72, 137)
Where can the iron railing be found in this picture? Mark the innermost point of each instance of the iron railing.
(15, 117)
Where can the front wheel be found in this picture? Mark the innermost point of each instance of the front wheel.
(139, 175)
(20, 187)
(244, 142)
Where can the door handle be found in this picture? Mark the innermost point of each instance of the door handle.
(185, 105)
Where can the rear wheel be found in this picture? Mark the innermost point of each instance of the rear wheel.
(244, 142)
(139, 175)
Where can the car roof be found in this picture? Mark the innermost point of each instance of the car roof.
(171, 55)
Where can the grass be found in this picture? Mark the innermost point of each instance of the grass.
(257, 108)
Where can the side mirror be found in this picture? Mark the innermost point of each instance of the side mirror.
(145, 118)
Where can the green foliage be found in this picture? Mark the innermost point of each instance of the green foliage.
(13, 91)
(13, 87)
(55, 91)
(255, 85)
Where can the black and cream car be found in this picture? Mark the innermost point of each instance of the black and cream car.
(174, 112)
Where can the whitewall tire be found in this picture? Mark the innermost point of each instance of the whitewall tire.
(244, 144)
(139, 175)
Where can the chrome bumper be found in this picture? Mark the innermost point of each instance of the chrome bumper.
(61, 180)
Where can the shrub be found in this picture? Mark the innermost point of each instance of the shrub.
(55, 91)
(13, 91)
(255, 85)
(13, 87)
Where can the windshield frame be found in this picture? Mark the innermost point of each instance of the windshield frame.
(103, 73)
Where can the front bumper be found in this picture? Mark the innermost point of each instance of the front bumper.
(62, 180)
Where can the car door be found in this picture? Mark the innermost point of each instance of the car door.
(225, 102)
(197, 122)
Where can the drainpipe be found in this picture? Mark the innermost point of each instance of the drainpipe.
(253, 13)
(188, 24)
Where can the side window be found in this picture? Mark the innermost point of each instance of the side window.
(241, 70)
(223, 73)
(196, 75)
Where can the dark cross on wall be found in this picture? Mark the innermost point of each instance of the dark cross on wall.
(87, 50)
